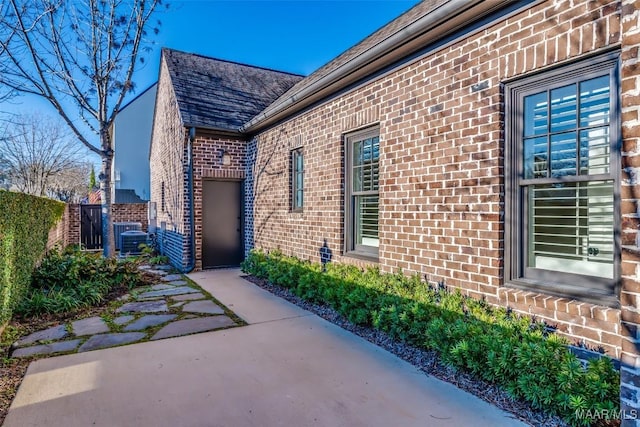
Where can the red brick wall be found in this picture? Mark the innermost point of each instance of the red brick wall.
(57, 232)
(67, 231)
(131, 212)
(441, 163)
(168, 156)
(72, 216)
(207, 165)
(630, 292)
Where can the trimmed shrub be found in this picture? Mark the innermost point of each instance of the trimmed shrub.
(25, 222)
(492, 343)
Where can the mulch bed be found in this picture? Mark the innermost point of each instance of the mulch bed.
(427, 361)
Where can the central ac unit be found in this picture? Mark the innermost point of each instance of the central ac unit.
(130, 242)
(121, 227)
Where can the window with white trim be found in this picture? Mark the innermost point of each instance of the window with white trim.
(561, 174)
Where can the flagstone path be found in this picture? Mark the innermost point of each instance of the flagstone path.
(170, 308)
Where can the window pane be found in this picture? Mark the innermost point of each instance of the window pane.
(299, 199)
(563, 108)
(594, 151)
(358, 178)
(362, 197)
(367, 150)
(571, 228)
(299, 164)
(376, 175)
(594, 102)
(367, 177)
(358, 156)
(375, 167)
(299, 180)
(375, 148)
(535, 157)
(366, 168)
(366, 220)
(535, 114)
(563, 154)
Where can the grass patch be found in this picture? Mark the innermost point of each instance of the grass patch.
(494, 344)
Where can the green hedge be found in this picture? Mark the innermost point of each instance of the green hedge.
(25, 222)
(492, 343)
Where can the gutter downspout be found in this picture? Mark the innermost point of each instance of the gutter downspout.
(192, 242)
(432, 19)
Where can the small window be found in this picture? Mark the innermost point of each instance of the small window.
(362, 173)
(297, 180)
(562, 173)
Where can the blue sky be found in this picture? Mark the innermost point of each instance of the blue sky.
(295, 36)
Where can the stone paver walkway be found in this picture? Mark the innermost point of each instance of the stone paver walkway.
(287, 367)
(172, 307)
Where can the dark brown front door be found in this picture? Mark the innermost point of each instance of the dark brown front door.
(221, 224)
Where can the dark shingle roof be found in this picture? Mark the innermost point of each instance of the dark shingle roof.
(127, 196)
(218, 94)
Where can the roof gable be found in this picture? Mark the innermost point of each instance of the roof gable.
(223, 95)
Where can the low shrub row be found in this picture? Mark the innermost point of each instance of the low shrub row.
(492, 343)
(25, 222)
(68, 280)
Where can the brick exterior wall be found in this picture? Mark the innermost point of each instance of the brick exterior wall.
(72, 217)
(131, 212)
(67, 231)
(441, 208)
(171, 244)
(207, 165)
(58, 232)
(169, 174)
(249, 195)
(441, 121)
(630, 292)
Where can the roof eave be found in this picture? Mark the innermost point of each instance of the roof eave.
(138, 96)
(441, 21)
(215, 130)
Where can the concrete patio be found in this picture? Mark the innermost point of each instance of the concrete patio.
(287, 368)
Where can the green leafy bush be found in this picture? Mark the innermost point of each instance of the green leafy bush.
(492, 343)
(25, 222)
(72, 279)
(151, 255)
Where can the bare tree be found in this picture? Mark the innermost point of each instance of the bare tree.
(37, 151)
(80, 56)
(71, 185)
(4, 173)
